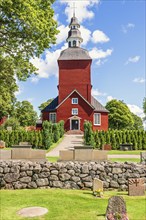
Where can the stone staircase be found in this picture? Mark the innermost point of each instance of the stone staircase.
(75, 132)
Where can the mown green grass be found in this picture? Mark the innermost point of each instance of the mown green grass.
(135, 160)
(130, 152)
(52, 159)
(66, 204)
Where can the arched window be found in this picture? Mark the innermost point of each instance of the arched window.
(74, 43)
(69, 44)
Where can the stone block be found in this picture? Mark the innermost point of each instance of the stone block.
(37, 154)
(5, 154)
(97, 185)
(98, 155)
(66, 155)
(143, 157)
(21, 153)
(83, 154)
(136, 187)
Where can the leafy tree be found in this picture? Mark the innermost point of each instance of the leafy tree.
(44, 104)
(12, 122)
(56, 134)
(138, 124)
(47, 134)
(119, 115)
(144, 108)
(25, 113)
(27, 28)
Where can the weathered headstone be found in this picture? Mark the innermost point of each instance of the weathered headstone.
(136, 187)
(116, 208)
(143, 157)
(97, 185)
(2, 144)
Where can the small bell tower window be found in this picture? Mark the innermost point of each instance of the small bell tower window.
(74, 43)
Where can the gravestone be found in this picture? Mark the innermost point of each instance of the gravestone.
(2, 144)
(116, 208)
(97, 185)
(106, 147)
(136, 187)
(143, 157)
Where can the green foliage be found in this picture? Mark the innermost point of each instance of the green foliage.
(56, 135)
(12, 122)
(88, 134)
(116, 137)
(61, 128)
(27, 29)
(25, 113)
(119, 115)
(47, 134)
(138, 124)
(144, 108)
(44, 104)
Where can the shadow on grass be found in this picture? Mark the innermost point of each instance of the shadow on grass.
(101, 215)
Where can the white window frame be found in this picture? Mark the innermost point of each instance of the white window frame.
(99, 118)
(50, 117)
(73, 111)
(74, 102)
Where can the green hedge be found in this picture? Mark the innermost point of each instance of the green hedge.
(39, 139)
(114, 137)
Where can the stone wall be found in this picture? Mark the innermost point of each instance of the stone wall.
(22, 175)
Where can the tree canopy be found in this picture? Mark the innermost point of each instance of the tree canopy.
(120, 116)
(44, 104)
(27, 28)
(144, 108)
(25, 113)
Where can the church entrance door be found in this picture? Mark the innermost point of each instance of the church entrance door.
(74, 124)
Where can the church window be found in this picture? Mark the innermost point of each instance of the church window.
(74, 43)
(74, 100)
(97, 119)
(52, 117)
(74, 111)
(69, 44)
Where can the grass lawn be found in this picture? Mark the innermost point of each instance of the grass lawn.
(132, 152)
(136, 160)
(52, 159)
(66, 204)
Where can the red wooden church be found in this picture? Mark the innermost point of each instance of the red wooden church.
(74, 103)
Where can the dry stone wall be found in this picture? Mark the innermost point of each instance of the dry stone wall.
(72, 175)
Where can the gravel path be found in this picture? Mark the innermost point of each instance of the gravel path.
(68, 142)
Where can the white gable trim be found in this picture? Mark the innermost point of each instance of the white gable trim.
(79, 95)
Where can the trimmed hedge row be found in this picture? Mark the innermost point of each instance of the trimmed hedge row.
(43, 139)
(114, 137)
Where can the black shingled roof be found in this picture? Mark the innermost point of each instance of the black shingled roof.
(52, 106)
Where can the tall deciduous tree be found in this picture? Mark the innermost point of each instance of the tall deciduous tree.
(44, 104)
(144, 108)
(25, 113)
(26, 29)
(119, 115)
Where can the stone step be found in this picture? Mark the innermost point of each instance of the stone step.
(74, 132)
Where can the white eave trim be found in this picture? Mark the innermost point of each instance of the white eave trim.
(79, 95)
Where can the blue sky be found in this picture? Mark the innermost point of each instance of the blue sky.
(114, 34)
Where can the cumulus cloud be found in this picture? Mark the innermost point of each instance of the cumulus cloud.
(82, 9)
(139, 80)
(96, 92)
(62, 36)
(47, 66)
(136, 110)
(86, 35)
(132, 60)
(96, 53)
(127, 27)
(99, 37)
(110, 98)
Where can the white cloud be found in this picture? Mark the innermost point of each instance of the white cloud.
(20, 91)
(99, 37)
(96, 92)
(82, 9)
(48, 65)
(101, 62)
(139, 80)
(136, 110)
(62, 36)
(110, 98)
(127, 27)
(30, 99)
(96, 53)
(132, 60)
(86, 35)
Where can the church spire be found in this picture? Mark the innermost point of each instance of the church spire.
(74, 35)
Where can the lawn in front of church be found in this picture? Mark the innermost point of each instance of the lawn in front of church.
(66, 204)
